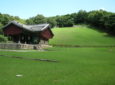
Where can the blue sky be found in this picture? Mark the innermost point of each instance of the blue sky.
(29, 8)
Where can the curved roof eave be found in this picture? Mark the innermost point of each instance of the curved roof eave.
(31, 28)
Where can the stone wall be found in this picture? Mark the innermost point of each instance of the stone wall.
(43, 42)
(15, 46)
(22, 46)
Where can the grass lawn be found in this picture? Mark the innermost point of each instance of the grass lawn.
(81, 36)
(75, 66)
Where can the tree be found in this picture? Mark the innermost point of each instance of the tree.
(95, 17)
(64, 21)
(110, 24)
(59, 20)
(39, 19)
(68, 20)
(74, 17)
(52, 21)
(18, 19)
(30, 21)
(80, 17)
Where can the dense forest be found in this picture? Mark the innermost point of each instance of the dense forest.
(100, 19)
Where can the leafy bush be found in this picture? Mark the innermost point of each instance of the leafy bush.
(3, 39)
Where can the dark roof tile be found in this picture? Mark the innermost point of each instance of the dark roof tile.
(33, 28)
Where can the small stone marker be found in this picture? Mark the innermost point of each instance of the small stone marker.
(19, 75)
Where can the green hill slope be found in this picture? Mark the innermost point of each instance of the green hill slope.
(80, 36)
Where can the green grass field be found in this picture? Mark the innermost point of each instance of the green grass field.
(81, 36)
(74, 66)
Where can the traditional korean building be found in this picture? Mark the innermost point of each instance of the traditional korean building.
(30, 34)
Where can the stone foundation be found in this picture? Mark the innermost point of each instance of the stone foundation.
(22, 46)
(43, 42)
(15, 46)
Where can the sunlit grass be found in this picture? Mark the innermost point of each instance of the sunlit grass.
(78, 66)
(74, 66)
(80, 36)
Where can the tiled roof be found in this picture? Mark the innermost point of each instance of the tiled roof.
(33, 28)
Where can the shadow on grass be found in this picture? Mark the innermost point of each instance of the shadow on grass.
(108, 35)
(101, 30)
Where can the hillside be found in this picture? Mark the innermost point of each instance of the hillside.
(73, 66)
(80, 36)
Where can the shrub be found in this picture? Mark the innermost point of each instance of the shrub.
(3, 39)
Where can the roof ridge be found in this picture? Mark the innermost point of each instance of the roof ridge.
(33, 28)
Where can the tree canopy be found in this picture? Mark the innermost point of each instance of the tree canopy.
(101, 19)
